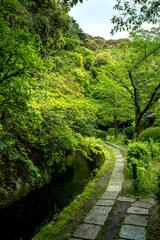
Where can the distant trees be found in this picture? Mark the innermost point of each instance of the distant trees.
(48, 21)
(137, 74)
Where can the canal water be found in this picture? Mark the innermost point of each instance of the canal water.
(23, 219)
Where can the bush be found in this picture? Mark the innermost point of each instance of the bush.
(152, 132)
(158, 192)
(144, 155)
(101, 134)
(129, 132)
(138, 151)
(110, 131)
(156, 123)
(154, 149)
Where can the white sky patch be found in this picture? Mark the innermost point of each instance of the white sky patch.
(94, 18)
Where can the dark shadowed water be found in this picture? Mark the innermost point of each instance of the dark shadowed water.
(21, 219)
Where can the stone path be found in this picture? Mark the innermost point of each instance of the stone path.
(96, 218)
(135, 221)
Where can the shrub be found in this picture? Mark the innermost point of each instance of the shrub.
(110, 131)
(152, 132)
(138, 151)
(156, 123)
(158, 192)
(154, 148)
(101, 134)
(144, 155)
(129, 132)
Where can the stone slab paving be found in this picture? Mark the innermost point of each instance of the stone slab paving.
(138, 210)
(120, 160)
(117, 178)
(149, 200)
(118, 155)
(87, 231)
(136, 220)
(142, 204)
(114, 188)
(105, 202)
(133, 232)
(93, 222)
(109, 195)
(125, 199)
(75, 239)
(98, 215)
(117, 172)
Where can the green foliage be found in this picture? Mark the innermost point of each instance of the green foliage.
(134, 13)
(120, 140)
(156, 123)
(152, 132)
(138, 151)
(146, 156)
(154, 149)
(110, 131)
(129, 132)
(102, 59)
(53, 97)
(101, 134)
(73, 2)
(158, 192)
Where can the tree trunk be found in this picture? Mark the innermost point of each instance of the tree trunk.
(115, 126)
(138, 126)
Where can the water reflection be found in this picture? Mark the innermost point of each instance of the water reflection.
(20, 220)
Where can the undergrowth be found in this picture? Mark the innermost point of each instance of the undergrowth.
(119, 140)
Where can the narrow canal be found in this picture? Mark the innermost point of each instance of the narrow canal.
(23, 219)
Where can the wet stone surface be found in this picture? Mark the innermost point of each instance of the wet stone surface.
(117, 178)
(124, 199)
(87, 231)
(113, 226)
(98, 215)
(105, 202)
(136, 220)
(109, 195)
(137, 210)
(114, 188)
(142, 204)
(149, 200)
(75, 239)
(133, 232)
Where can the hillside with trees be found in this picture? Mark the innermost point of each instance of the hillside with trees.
(61, 89)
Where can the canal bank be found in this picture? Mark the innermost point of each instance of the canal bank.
(23, 219)
(62, 224)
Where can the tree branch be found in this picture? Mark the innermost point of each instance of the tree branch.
(151, 99)
(135, 92)
(52, 53)
(120, 81)
(146, 55)
(16, 73)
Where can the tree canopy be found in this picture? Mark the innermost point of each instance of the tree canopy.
(132, 14)
(60, 86)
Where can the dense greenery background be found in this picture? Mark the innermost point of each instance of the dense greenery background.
(60, 87)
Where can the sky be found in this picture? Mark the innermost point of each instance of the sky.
(94, 18)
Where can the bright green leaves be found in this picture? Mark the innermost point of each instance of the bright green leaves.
(73, 2)
(132, 14)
